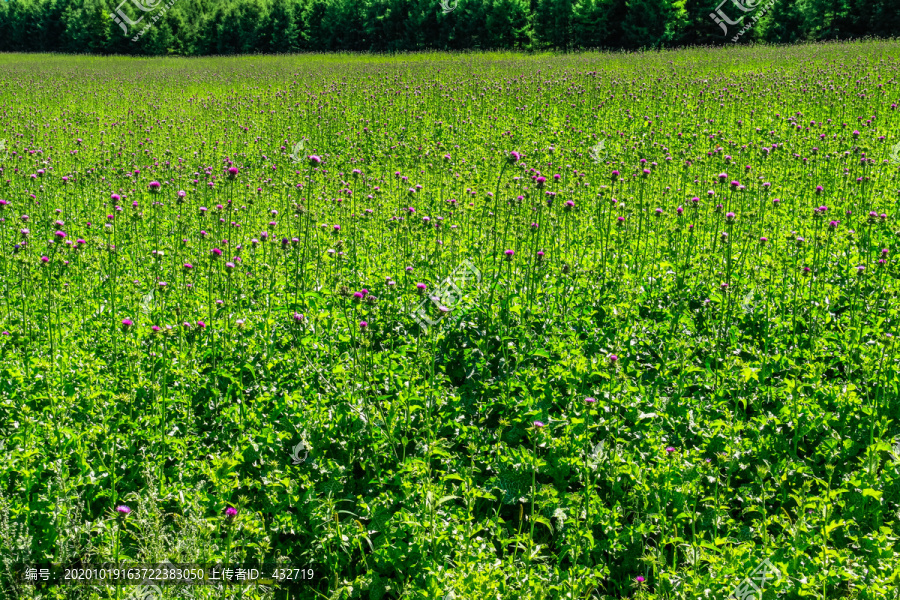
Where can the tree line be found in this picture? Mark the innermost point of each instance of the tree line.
(208, 27)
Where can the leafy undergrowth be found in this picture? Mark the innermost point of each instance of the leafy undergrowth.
(430, 338)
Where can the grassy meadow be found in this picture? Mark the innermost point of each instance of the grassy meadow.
(437, 326)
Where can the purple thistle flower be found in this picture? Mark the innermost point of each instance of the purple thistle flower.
(123, 510)
(154, 186)
(538, 424)
(126, 323)
(640, 579)
(363, 325)
(232, 172)
(230, 512)
(670, 449)
(314, 160)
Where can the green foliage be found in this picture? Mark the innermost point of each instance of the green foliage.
(701, 312)
(204, 27)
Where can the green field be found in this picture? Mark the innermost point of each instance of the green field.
(441, 326)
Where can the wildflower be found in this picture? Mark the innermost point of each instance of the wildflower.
(123, 510)
(729, 216)
(613, 358)
(508, 254)
(154, 187)
(363, 325)
(590, 400)
(232, 172)
(126, 323)
(230, 512)
(514, 157)
(640, 579)
(670, 449)
(216, 252)
(201, 324)
(538, 424)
